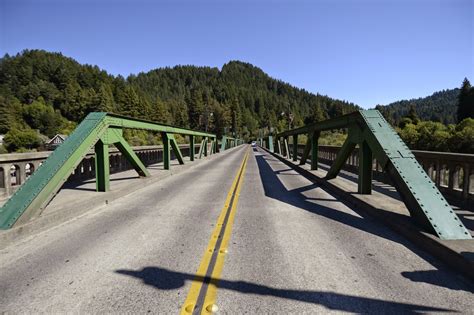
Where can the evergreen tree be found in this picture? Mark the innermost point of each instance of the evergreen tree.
(413, 115)
(104, 101)
(196, 109)
(129, 102)
(466, 101)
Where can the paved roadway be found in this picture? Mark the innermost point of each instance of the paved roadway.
(293, 249)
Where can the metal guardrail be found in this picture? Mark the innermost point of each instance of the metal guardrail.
(375, 138)
(98, 130)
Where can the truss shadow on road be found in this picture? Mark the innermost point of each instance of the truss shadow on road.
(164, 279)
(432, 277)
(275, 189)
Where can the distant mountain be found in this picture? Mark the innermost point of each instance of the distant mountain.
(440, 106)
(50, 92)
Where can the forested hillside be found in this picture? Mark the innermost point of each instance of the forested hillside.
(440, 107)
(50, 93)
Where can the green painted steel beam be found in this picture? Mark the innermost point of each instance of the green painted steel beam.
(29, 200)
(224, 143)
(97, 128)
(295, 147)
(192, 149)
(202, 148)
(314, 149)
(270, 144)
(122, 145)
(365, 169)
(287, 149)
(102, 167)
(377, 138)
(336, 123)
(341, 158)
(175, 147)
(423, 199)
(114, 120)
(306, 151)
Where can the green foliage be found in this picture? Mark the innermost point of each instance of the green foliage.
(466, 101)
(43, 117)
(52, 93)
(435, 136)
(440, 106)
(462, 139)
(16, 139)
(3, 150)
(335, 137)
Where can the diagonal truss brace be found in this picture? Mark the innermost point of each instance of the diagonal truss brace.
(377, 139)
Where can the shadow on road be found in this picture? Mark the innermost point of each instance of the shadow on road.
(164, 279)
(433, 277)
(275, 189)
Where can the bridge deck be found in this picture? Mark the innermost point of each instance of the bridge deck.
(294, 248)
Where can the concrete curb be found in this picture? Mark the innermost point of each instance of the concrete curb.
(81, 207)
(440, 249)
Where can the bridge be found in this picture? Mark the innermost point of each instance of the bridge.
(217, 225)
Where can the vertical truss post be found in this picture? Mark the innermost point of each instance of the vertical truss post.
(295, 147)
(205, 146)
(314, 150)
(102, 166)
(214, 146)
(279, 146)
(166, 151)
(191, 148)
(365, 169)
(223, 143)
(270, 144)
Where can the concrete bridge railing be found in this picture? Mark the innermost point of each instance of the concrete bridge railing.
(453, 173)
(15, 168)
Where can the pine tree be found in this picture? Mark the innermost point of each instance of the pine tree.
(160, 112)
(129, 102)
(104, 101)
(5, 119)
(413, 115)
(466, 101)
(196, 109)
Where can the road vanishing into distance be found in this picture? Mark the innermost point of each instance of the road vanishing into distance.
(243, 234)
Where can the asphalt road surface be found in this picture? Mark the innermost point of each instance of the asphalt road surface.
(234, 235)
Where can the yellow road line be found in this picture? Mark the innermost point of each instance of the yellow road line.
(203, 292)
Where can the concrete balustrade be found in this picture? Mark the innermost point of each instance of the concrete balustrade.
(453, 173)
(15, 168)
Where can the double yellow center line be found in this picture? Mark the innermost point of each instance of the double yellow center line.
(202, 295)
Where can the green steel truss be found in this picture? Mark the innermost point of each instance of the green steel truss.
(375, 138)
(97, 131)
(229, 142)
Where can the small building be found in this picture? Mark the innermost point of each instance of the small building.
(55, 142)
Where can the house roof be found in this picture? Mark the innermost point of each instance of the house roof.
(56, 137)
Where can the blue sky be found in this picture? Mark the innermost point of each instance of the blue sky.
(367, 52)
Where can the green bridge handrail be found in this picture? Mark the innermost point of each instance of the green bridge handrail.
(98, 130)
(377, 139)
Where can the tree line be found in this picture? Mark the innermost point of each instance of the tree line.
(43, 93)
(421, 134)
